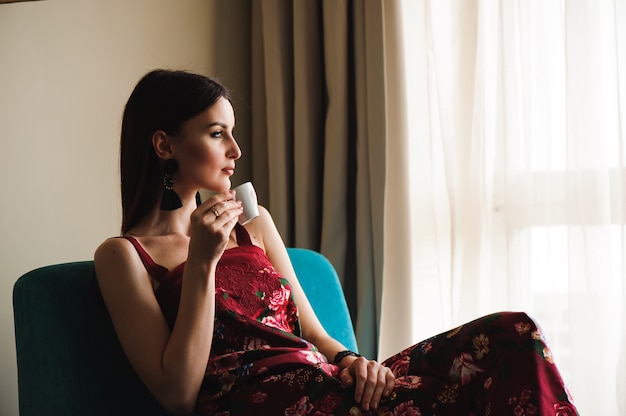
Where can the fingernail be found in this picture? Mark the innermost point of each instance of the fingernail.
(374, 405)
(366, 406)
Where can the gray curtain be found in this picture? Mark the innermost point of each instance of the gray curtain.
(318, 137)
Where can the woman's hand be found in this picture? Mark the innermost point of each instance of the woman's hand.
(211, 225)
(371, 380)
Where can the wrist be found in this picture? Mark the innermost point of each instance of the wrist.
(343, 354)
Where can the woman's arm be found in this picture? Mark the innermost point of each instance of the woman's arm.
(170, 363)
(370, 379)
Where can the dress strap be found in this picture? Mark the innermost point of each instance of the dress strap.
(155, 270)
(243, 238)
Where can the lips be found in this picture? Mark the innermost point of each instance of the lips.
(229, 171)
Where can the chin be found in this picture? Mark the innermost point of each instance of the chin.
(221, 186)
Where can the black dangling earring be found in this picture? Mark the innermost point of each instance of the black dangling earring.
(170, 200)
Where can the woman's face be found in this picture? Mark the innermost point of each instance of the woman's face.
(206, 150)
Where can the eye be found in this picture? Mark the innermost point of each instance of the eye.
(217, 134)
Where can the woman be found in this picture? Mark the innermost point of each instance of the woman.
(205, 308)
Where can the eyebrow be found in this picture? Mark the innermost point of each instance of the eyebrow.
(217, 123)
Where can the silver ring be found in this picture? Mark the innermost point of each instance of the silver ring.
(215, 212)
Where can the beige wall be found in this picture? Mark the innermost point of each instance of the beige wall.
(66, 69)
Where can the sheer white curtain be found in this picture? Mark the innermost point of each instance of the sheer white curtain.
(517, 181)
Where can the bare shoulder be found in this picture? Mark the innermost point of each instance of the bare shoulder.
(270, 239)
(112, 245)
(113, 250)
(116, 259)
(265, 217)
(262, 229)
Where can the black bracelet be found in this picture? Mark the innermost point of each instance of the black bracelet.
(343, 354)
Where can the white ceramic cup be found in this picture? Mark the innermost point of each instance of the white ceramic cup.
(247, 195)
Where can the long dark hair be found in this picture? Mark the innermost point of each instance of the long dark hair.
(162, 100)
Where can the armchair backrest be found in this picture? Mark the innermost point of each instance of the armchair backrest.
(70, 361)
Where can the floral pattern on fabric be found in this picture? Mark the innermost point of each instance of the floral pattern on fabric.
(496, 365)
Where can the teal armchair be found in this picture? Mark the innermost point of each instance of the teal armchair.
(70, 361)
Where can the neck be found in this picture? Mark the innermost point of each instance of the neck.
(160, 222)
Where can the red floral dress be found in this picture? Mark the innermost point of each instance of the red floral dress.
(259, 364)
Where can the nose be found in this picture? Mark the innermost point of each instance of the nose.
(234, 152)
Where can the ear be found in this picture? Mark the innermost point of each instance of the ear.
(161, 142)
